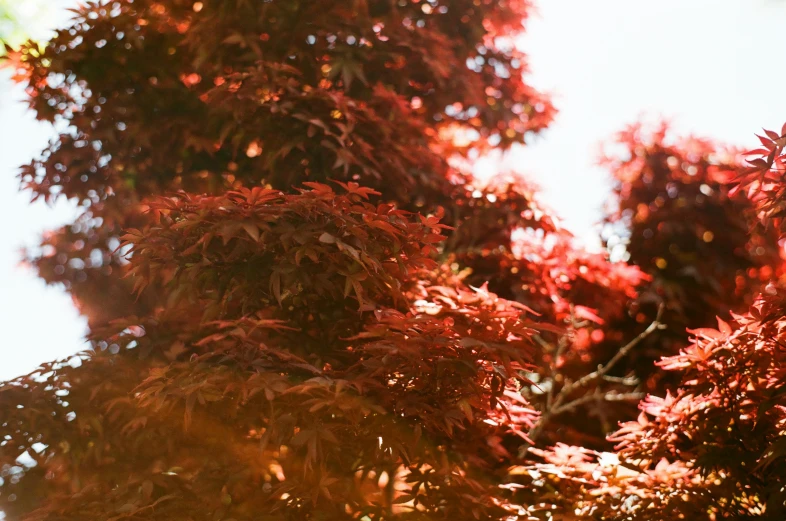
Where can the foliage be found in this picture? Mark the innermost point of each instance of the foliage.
(680, 220)
(330, 389)
(287, 352)
(714, 448)
(303, 305)
(9, 25)
(22, 20)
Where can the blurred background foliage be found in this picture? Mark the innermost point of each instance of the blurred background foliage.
(23, 19)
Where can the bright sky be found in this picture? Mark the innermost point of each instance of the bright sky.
(37, 323)
(712, 66)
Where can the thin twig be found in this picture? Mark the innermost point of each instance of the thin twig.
(619, 355)
(607, 397)
(624, 380)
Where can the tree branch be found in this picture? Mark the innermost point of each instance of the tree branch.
(624, 350)
(559, 404)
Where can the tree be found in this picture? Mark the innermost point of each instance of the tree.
(303, 305)
(274, 347)
(713, 448)
(680, 220)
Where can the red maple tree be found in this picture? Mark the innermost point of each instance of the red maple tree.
(303, 305)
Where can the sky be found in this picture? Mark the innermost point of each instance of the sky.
(38, 323)
(710, 66)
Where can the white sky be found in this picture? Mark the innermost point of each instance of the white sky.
(713, 66)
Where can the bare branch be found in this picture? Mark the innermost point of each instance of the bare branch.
(607, 397)
(619, 355)
(556, 404)
(624, 380)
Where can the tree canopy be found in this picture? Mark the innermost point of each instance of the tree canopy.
(304, 305)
